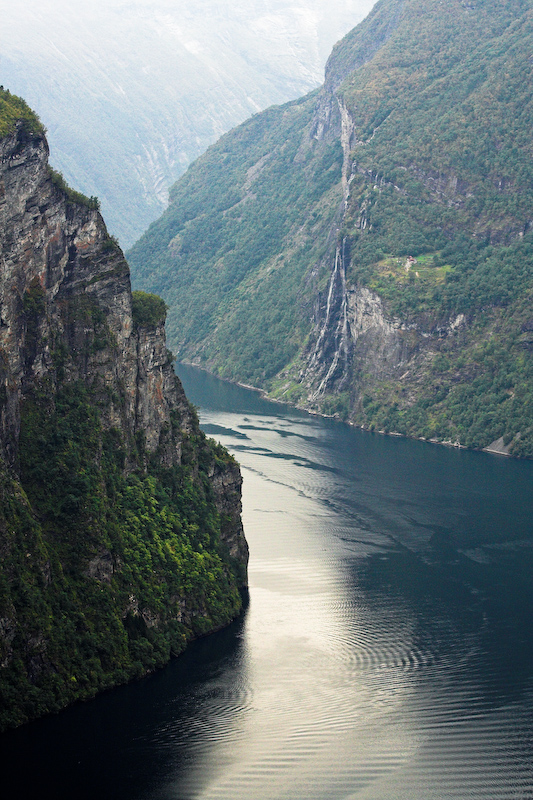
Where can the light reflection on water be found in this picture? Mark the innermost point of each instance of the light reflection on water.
(319, 671)
(386, 652)
(368, 682)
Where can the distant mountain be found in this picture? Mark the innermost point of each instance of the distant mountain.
(132, 92)
(367, 251)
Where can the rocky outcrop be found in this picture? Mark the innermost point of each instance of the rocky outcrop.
(120, 529)
(353, 51)
(356, 343)
(226, 481)
(65, 286)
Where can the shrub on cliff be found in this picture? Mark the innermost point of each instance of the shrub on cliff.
(13, 109)
(147, 309)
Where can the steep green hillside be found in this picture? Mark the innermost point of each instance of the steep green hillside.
(120, 531)
(228, 253)
(96, 561)
(368, 250)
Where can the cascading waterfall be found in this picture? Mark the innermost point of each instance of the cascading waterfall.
(337, 307)
(337, 302)
(329, 305)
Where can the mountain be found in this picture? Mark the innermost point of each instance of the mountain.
(367, 251)
(120, 530)
(132, 92)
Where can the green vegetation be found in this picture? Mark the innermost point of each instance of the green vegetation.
(445, 177)
(74, 197)
(110, 571)
(114, 555)
(12, 110)
(437, 224)
(148, 309)
(227, 256)
(476, 390)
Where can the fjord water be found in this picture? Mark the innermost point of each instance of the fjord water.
(386, 652)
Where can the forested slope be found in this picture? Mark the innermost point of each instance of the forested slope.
(120, 531)
(367, 251)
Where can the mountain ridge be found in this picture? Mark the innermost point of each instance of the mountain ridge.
(132, 93)
(379, 265)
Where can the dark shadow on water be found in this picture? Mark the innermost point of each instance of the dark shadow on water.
(122, 744)
(220, 430)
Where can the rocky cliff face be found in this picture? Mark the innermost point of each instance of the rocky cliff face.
(356, 347)
(350, 54)
(120, 529)
(65, 285)
(353, 341)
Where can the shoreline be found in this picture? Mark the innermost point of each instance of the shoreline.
(496, 448)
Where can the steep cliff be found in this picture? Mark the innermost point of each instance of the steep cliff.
(368, 250)
(120, 530)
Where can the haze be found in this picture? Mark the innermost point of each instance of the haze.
(132, 92)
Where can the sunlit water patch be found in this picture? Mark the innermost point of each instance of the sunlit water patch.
(386, 651)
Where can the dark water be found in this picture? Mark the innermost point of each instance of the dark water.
(387, 651)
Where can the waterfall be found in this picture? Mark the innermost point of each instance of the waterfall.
(336, 308)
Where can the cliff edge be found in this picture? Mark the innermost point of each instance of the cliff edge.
(120, 530)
